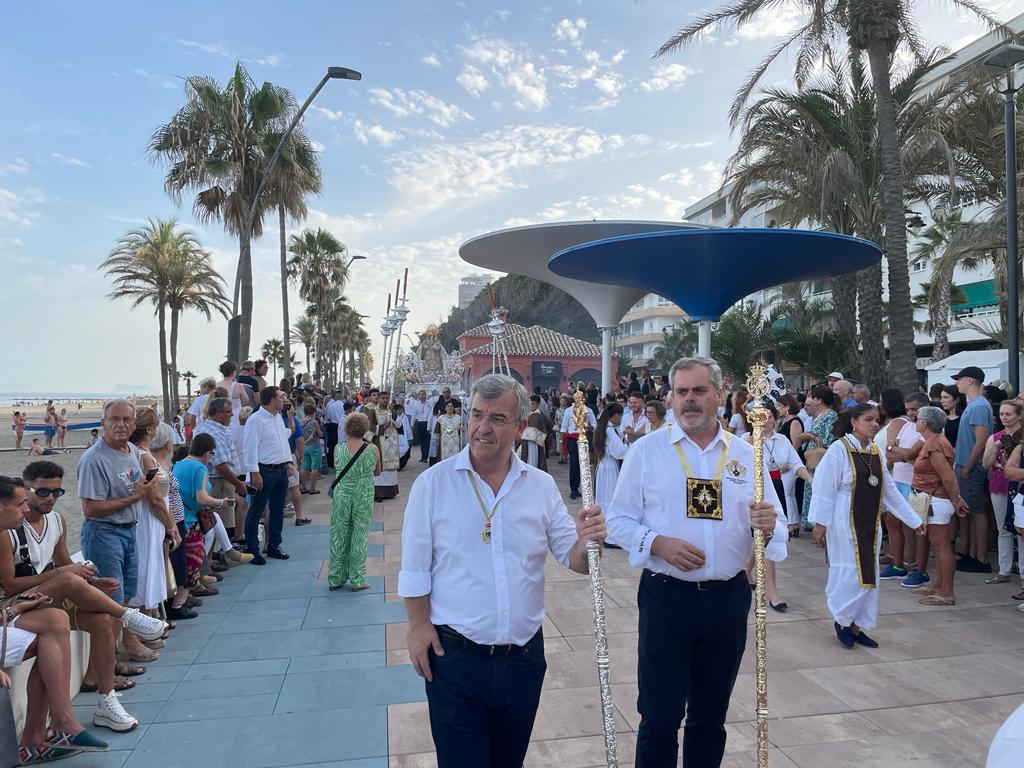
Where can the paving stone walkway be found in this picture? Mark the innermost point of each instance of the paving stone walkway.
(279, 672)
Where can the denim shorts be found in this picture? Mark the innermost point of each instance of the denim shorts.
(113, 551)
(312, 457)
(972, 489)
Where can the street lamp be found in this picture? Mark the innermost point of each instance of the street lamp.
(333, 73)
(355, 257)
(1000, 64)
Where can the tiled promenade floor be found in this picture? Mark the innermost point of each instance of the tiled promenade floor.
(279, 672)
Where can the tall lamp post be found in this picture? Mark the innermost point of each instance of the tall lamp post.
(333, 73)
(1001, 63)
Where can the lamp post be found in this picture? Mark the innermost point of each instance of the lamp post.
(354, 257)
(1000, 64)
(333, 73)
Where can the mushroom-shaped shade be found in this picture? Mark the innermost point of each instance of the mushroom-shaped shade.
(526, 250)
(706, 271)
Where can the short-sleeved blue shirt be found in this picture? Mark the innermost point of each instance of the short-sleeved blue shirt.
(978, 413)
(191, 474)
(289, 421)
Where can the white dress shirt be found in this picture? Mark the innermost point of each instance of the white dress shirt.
(420, 411)
(335, 412)
(265, 440)
(491, 593)
(569, 425)
(637, 424)
(196, 409)
(650, 501)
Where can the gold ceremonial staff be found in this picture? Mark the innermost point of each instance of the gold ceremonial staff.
(579, 416)
(758, 388)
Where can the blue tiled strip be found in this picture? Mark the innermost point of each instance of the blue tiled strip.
(276, 671)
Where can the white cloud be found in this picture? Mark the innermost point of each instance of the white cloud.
(683, 177)
(714, 174)
(637, 201)
(472, 172)
(667, 76)
(431, 61)
(407, 103)
(782, 20)
(696, 145)
(17, 165)
(65, 160)
(17, 207)
(316, 145)
(570, 30)
(513, 69)
(473, 80)
(159, 81)
(596, 70)
(222, 50)
(376, 133)
(330, 114)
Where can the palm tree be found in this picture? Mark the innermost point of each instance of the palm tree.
(740, 332)
(148, 265)
(304, 333)
(197, 286)
(877, 27)
(813, 154)
(216, 145)
(187, 377)
(677, 342)
(295, 175)
(273, 352)
(317, 265)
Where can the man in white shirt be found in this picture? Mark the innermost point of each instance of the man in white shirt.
(476, 536)
(194, 414)
(683, 510)
(334, 416)
(570, 435)
(225, 469)
(420, 416)
(268, 460)
(634, 422)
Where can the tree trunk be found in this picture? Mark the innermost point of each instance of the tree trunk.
(319, 345)
(245, 287)
(162, 317)
(307, 359)
(173, 373)
(902, 352)
(940, 317)
(869, 300)
(286, 338)
(844, 300)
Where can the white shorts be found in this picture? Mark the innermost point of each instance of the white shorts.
(942, 511)
(18, 641)
(293, 480)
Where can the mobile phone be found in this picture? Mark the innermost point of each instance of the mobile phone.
(152, 473)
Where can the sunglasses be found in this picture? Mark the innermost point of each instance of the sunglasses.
(45, 493)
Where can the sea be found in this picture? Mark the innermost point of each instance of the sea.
(38, 399)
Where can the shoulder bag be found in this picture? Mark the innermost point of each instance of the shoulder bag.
(346, 468)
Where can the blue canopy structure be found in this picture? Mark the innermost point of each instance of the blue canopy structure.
(706, 271)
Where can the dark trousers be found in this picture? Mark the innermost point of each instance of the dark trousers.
(690, 647)
(330, 440)
(423, 438)
(574, 464)
(275, 488)
(482, 707)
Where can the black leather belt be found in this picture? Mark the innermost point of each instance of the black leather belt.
(699, 586)
(275, 466)
(449, 637)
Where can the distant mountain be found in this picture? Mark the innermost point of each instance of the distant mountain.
(134, 389)
(529, 302)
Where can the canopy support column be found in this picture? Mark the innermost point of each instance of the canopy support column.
(704, 338)
(606, 358)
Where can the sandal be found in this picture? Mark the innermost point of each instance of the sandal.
(146, 655)
(33, 755)
(1019, 596)
(120, 684)
(127, 670)
(936, 600)
(923, 590)
(302, 521)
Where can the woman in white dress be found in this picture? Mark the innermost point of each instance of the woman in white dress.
(608, 452)
(448, 431)
(153, 439)
(850, 485)
(780, 458)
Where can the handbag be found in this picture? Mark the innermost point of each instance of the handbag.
(346, 468)
(813, 457)
(172, 583)
(205, 519)
(920, 502)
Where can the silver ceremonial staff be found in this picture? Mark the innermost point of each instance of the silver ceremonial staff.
(758, 387)
(579, 415)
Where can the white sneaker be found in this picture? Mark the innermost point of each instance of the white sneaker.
(142, 625)
(1021, 607)
(110, 714)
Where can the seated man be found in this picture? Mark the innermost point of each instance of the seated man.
(34, 556)
(35, 629)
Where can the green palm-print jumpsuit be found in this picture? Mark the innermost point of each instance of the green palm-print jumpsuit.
(352, 507)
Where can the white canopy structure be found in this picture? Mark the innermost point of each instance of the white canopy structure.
(526, 250)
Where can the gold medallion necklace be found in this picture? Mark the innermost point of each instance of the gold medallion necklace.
(485, 534)
(872, 478)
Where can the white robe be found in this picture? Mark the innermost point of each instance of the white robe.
(783, 454)
(849, 601)
(608, 470)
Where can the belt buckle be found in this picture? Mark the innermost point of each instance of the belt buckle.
(701, 588)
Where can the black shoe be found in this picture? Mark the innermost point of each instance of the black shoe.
(864, 640)
(575, 495)
(218, 567)
(277, 553)
(608, 545)
(845, 635)
(257, 559)
(780, 607)
(179, 614)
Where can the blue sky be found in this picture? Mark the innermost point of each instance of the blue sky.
(470, 117)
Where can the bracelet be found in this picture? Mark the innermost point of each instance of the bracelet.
(8, 614)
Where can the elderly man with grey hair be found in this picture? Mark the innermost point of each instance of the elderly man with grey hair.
(844, 392)
(862, 394)
(194, 414)
(478, 528)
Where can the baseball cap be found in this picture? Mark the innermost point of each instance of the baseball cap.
(971, 372)
(835, 375)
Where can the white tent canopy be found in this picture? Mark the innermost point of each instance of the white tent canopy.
(994, 362)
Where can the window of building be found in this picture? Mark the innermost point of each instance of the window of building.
(920, 265)
(821, 286)
(718, 210)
